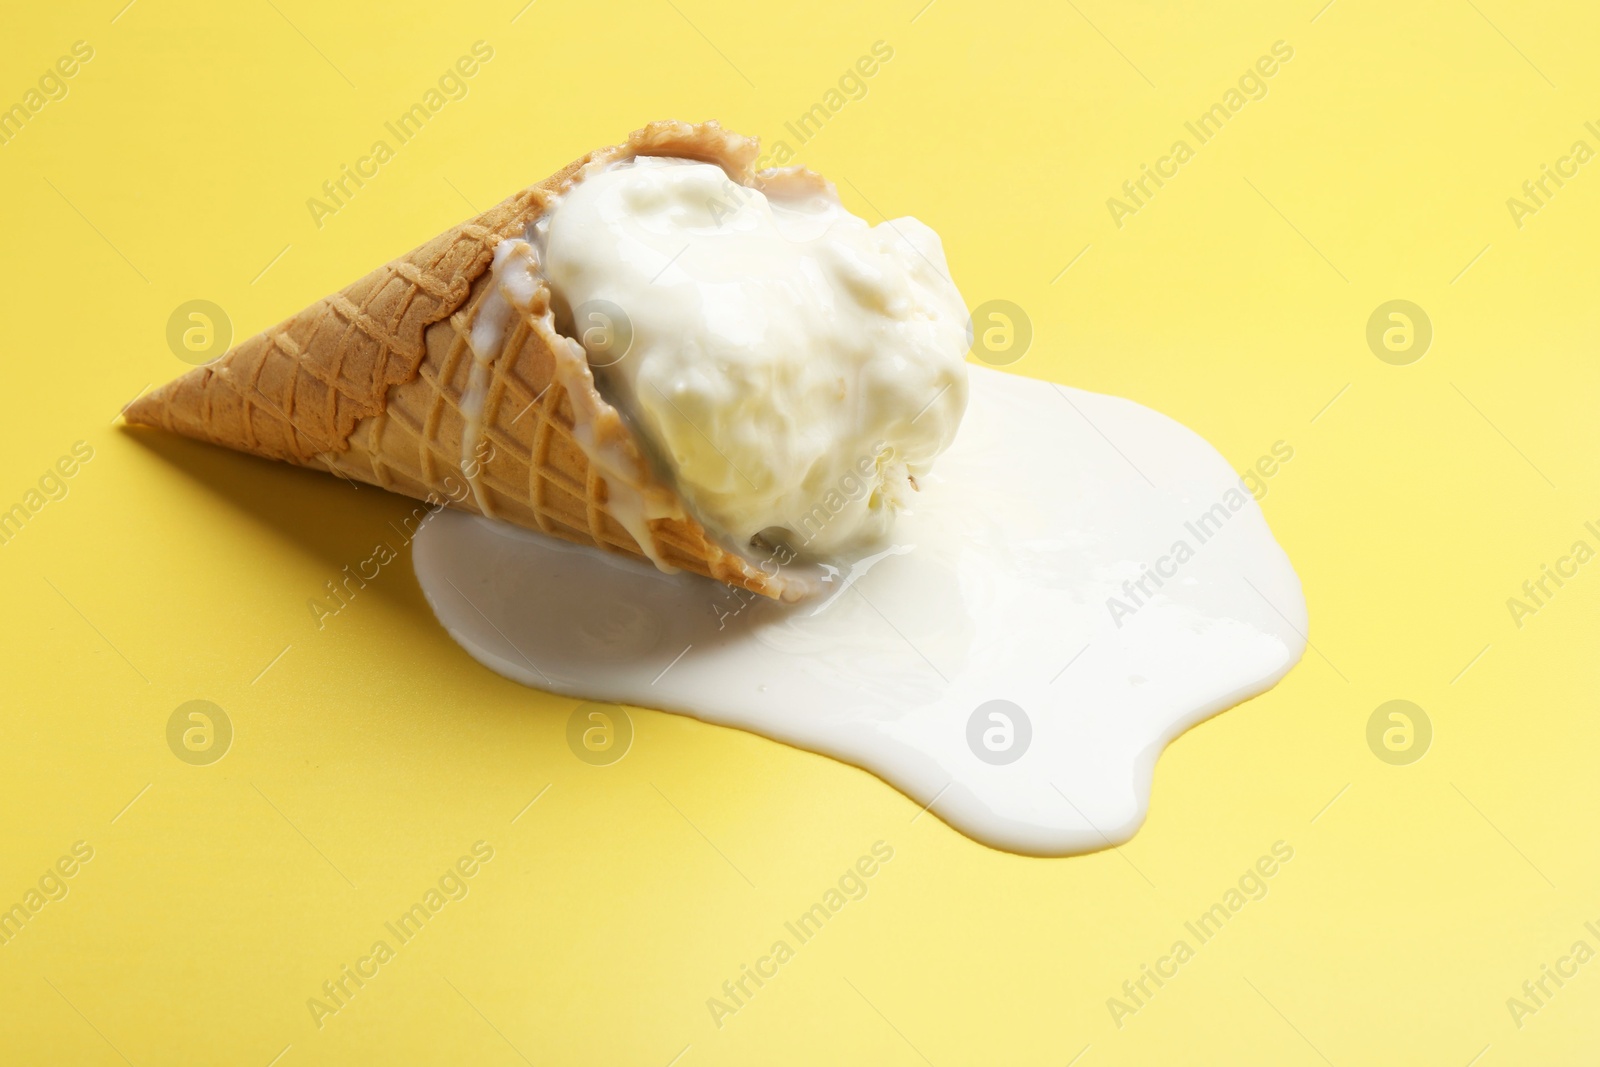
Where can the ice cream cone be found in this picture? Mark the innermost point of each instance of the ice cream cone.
(376, 383)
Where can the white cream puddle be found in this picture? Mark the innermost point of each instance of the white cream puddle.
(1048, 502)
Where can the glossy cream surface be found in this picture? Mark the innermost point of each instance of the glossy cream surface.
(1079, 580)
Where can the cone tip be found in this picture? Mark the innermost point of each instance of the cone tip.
(146, 409)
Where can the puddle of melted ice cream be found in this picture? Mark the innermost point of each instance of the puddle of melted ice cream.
(1078, 580)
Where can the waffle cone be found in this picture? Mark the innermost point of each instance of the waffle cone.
(371, 383)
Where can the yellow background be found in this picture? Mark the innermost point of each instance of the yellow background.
(373, 753)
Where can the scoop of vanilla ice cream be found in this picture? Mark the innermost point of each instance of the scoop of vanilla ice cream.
(794, 367)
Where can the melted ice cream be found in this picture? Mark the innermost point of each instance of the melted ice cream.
(1016, 659)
